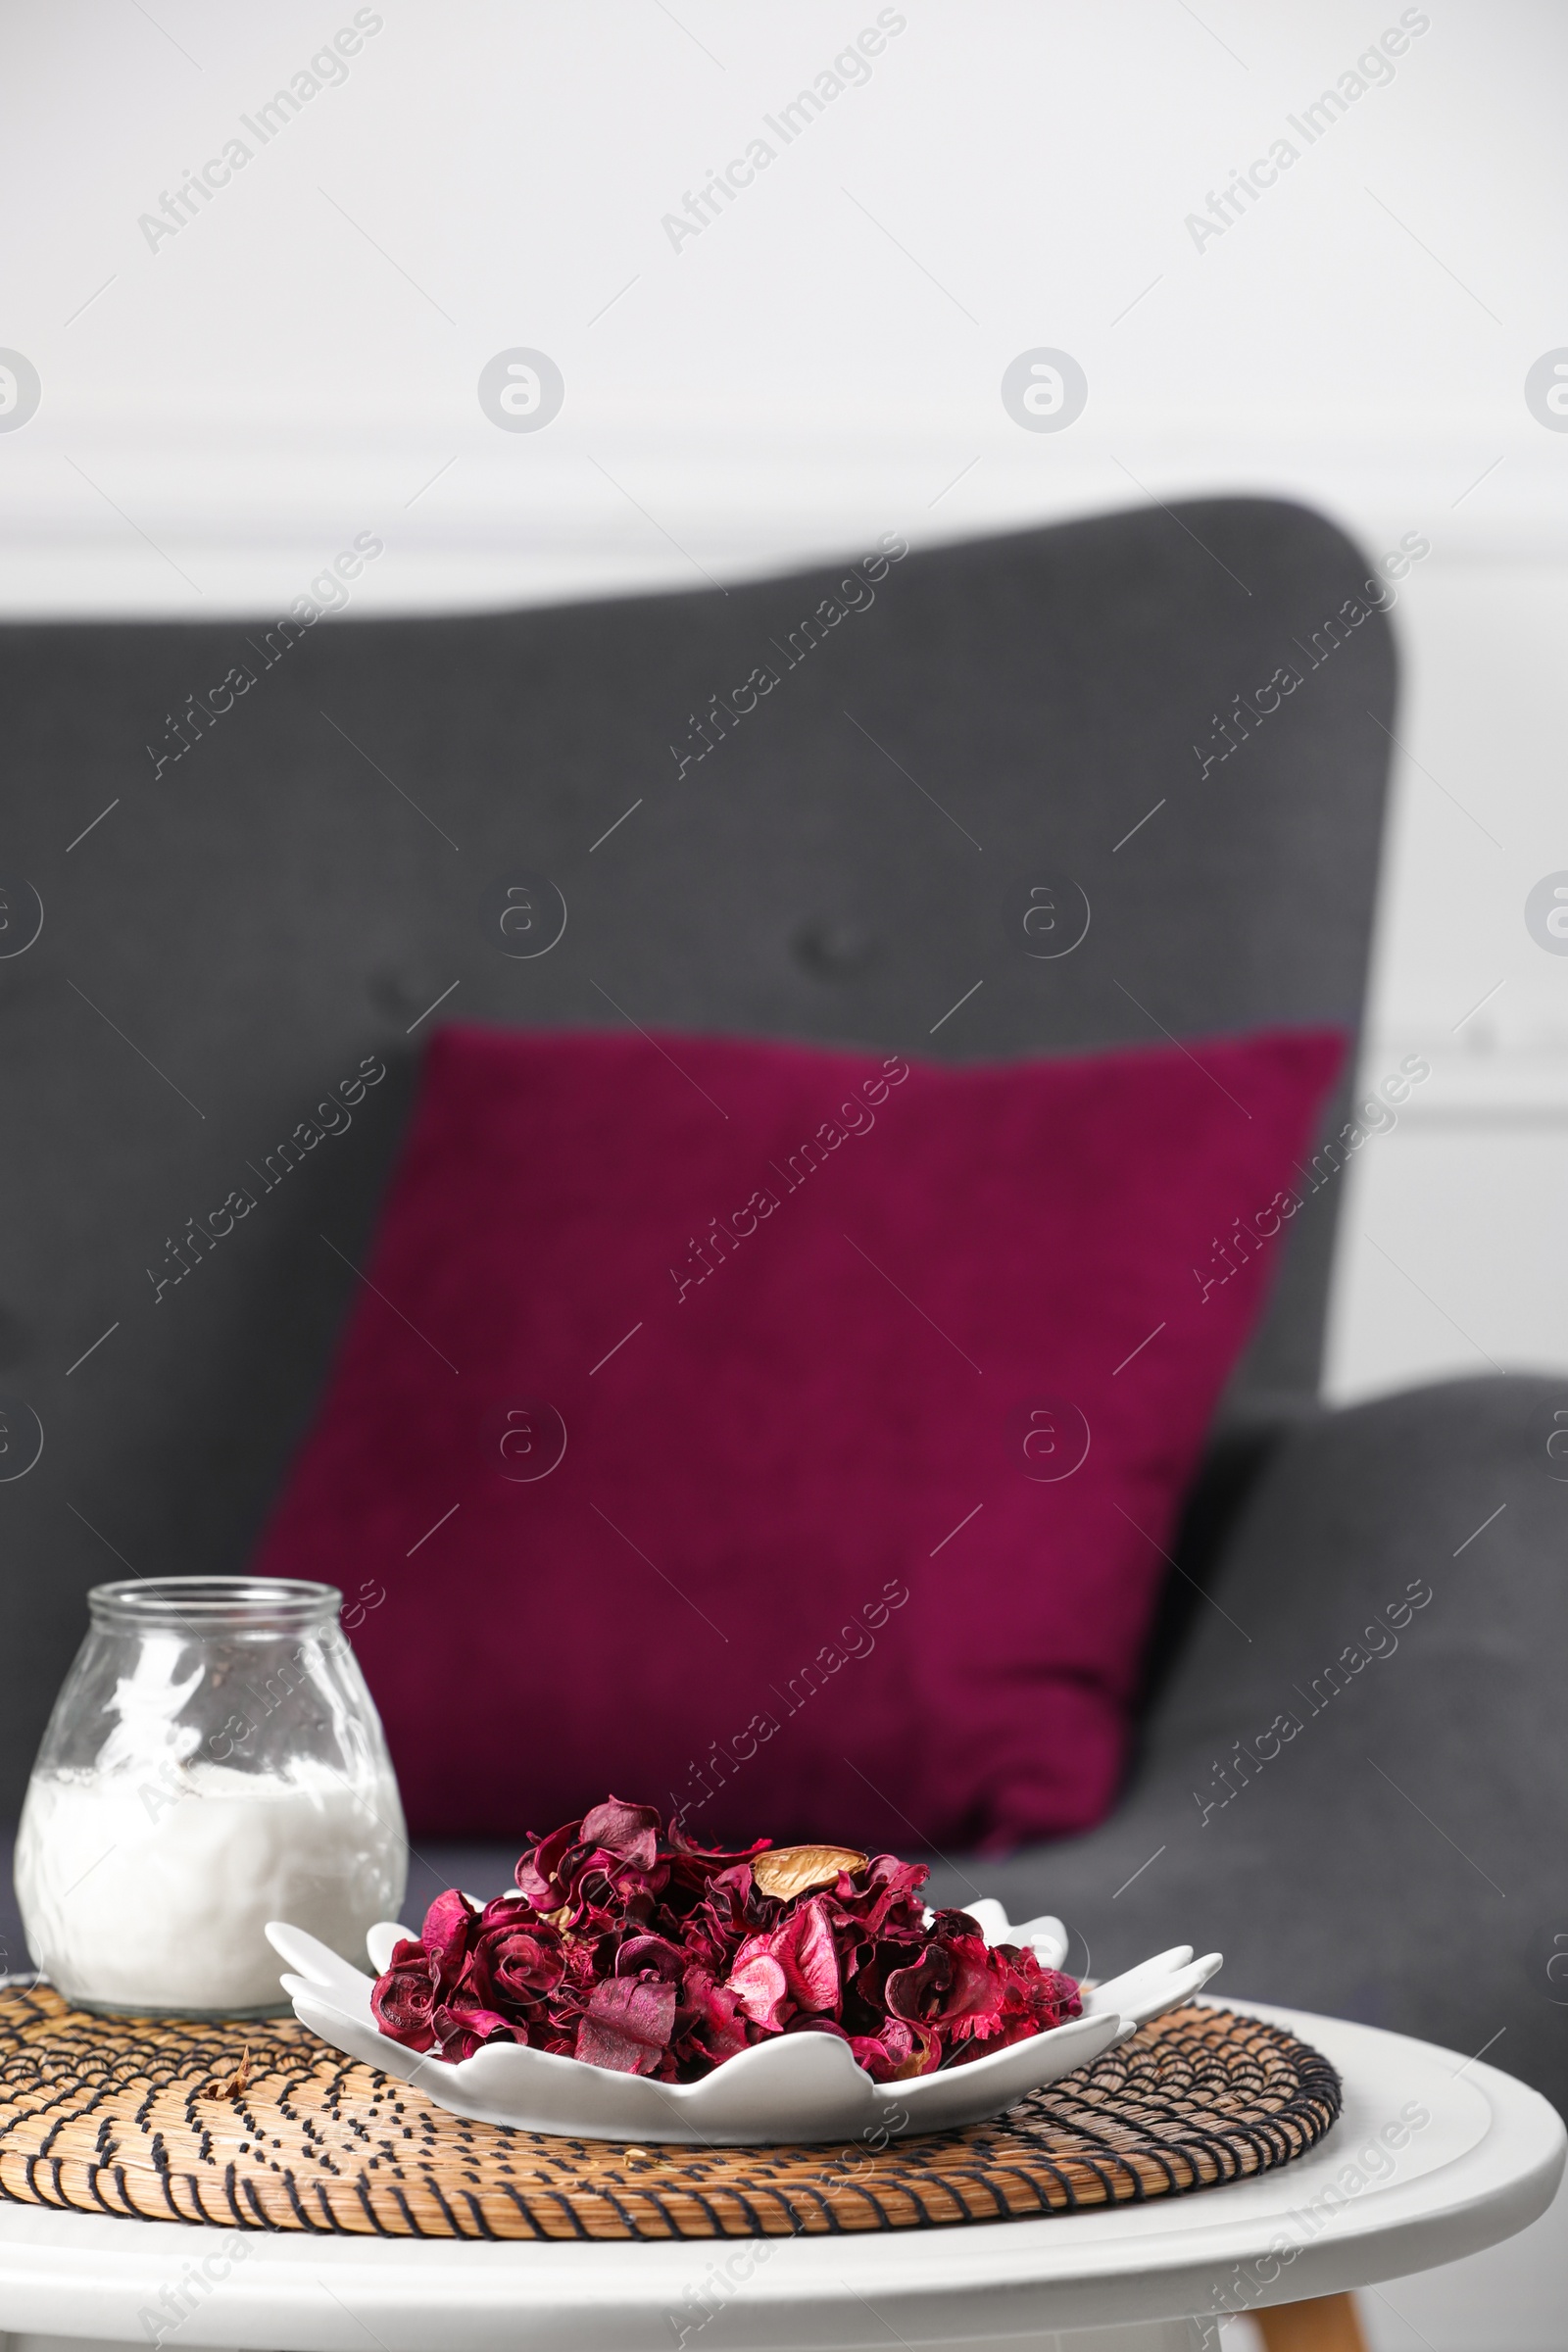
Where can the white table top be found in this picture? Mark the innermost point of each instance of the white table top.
(1485, 2163)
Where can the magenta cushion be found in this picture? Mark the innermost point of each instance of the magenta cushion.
(879, 1387)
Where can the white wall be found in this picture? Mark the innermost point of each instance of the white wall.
(1453, 1253)
(300, 363)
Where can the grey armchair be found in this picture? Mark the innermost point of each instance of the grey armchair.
(289, 875)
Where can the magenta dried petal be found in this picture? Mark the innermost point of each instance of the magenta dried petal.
(795, 1966)
(403, 1998)
(873, 2054)
(629, 1831)
(478, 2017)
(916, 1992)
(627, 2024)
(1035, 1999)
(812, 1959)
(1064, 1992)
(408, 1949)
(890, 1897)
(462, 2028)
(450, 1926)
(651, 1952)
(691, 1872)
(718, 2028)
(522, 1963)
(537, 1873)
(978, 1987)
(760, 1986)
(507, 1911)
(960, 1987)
(732, 1908)
(899, 2052)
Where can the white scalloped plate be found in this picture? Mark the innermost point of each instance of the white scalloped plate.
(802, 2086)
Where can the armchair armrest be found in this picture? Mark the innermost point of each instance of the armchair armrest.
(1354, 1780)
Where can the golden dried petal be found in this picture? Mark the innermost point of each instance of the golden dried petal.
(237, 2083)
(790, 1870)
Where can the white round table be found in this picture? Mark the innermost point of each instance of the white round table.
(1433, 2157)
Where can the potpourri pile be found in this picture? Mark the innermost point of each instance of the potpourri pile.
(630, 1947)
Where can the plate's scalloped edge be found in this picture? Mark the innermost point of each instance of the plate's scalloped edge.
(685, 2113)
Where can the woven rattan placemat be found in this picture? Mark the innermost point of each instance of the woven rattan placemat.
(147, 2117)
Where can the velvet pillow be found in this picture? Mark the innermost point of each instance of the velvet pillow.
(789, 1440)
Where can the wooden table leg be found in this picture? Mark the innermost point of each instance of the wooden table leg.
(1328, 2323)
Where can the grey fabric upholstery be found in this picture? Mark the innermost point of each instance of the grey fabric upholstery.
(1403, 1857)
(853, 857)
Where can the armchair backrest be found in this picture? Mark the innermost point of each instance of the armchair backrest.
(879, 803)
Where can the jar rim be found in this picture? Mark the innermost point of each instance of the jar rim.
(213, 1604)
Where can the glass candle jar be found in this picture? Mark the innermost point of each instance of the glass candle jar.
(213, 1761)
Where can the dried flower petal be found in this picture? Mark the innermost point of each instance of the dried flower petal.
(794, 1967)
(522, 1962)
(627, 2026)
(762, 1989)
(786, 1871)
(655, 1954)
(630, 1831)
(449, 1929)
(716, 2027)
(403, 1999)
(536, 1872)
(234, 2086)
(464, 2026)
(897, 2053)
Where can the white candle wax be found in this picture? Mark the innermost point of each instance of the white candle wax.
(148, 1889)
